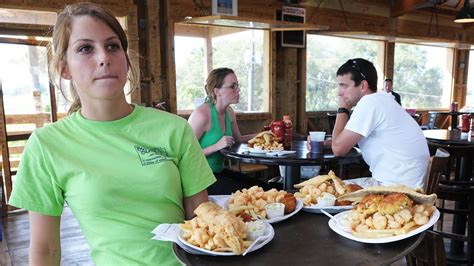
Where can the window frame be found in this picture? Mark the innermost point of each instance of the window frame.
(183, 29)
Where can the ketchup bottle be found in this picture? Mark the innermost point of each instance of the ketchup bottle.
(278, 128)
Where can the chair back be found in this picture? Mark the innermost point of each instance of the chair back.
(429, 252)
(456, 222)
(457, 153)
(431, 120)
(331, 121)
(437, 169)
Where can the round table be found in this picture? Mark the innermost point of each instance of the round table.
(306, 239)
(293, 162)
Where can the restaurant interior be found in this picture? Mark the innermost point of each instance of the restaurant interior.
(285, 54)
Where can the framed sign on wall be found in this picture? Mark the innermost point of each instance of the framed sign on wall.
(224, 7)
(294, 38)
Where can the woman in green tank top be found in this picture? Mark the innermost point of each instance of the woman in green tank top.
(215, 125)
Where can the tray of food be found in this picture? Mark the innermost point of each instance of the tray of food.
(321, 193)
(264, 142)
(218, 232)
(256, 204)
(385, 214)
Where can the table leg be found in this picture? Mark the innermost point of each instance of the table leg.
(292, 176)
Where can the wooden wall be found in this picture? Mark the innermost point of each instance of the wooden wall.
(151, 31)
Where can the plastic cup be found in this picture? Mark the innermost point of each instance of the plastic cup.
(317, 141)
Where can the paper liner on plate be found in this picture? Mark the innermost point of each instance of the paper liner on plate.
(348, 234)
(171, 232)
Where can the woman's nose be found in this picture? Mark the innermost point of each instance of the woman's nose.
(103, 58)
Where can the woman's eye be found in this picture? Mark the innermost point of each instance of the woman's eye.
(85, 49)
(113, 47)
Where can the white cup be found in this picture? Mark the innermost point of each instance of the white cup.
(317, 135)
(317, 141)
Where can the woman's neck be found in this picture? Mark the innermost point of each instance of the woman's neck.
(106, 110)
(220, 107)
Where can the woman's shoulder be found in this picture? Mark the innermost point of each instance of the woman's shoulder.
(202, 112)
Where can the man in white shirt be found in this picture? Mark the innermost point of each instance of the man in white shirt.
(391, 142)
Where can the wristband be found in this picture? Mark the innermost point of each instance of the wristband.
(343, 110)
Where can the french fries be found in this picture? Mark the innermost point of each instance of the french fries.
(318, 186)
(216, 229)
(265, 140)
(253, 201)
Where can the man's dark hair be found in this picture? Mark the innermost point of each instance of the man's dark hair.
(360, 69)
(388, 80)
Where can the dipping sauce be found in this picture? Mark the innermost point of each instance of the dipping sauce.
(326, 200)
(275, 210)
(255, 229)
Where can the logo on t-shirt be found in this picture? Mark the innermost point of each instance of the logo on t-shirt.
(152, 155)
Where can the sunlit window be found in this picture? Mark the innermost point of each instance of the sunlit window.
(239, 49)
(470, 81)
(422, 75)
(325, 54)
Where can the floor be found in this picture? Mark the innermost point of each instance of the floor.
(15, 244)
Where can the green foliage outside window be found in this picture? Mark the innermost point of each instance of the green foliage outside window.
(325, 54)
(418, 75)
(241, 51)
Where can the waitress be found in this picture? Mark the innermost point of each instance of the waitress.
(215, 125)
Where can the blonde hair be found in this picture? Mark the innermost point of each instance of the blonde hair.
(59, 46)
(215, 79)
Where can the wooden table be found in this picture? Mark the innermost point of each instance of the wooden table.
(293, 162)
(306, 239)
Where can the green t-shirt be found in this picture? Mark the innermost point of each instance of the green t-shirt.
(120, 178)
(211, 137)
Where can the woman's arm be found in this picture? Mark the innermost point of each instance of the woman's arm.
(199, 121)
(191, 203)
(45, 246)
(235, 128)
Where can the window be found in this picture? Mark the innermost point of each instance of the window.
(242, 50)
(325, 54)
(470, 81)
(422, 75)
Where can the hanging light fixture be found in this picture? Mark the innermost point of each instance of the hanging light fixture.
(466, 15)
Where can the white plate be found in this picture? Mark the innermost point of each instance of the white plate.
(257, 151)
(222, 200)
(269, 234)
(329, 209)
(342, 232)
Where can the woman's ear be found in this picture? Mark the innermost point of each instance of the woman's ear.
(65, 73)
(216, 90)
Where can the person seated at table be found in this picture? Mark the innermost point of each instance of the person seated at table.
(391, 142)
(388, 87)
(215, 125)
(123, 169)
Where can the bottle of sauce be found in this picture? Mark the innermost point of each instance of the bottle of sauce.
(278, 128)
(466, 122)
(288, 132)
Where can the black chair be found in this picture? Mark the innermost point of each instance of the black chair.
(437, 170)
(459, 160)
(431, 121)
(331, 121)
(429, 252)
(456, 201)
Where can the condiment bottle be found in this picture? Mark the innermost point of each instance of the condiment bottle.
(466, 122)
(278, 128)
(288, 132)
